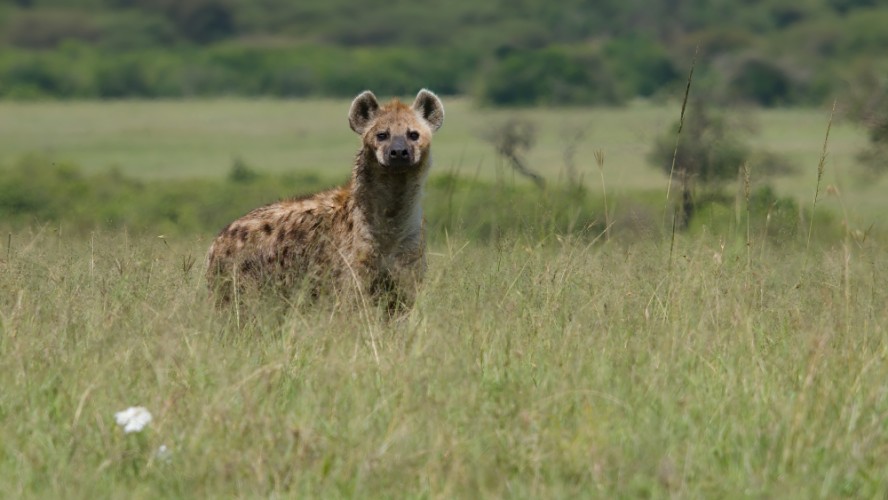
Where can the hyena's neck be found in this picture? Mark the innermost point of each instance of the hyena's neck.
(391, 203)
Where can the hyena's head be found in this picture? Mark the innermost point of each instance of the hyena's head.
(399, 135)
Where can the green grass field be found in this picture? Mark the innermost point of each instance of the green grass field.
(527, 369)
(720, 364)
(199, 138)
(166, 139)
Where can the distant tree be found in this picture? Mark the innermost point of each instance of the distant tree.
(760, 80)
(844, 6)
(711, 152)
(869, 107)
(708, 153)
(200, 21)
(708, 150)
(640, 65)
(512, 140)
(553, 76)
(241, 172)
(204, 21)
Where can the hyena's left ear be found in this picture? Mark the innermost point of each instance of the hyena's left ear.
(363, 111)
(430, 108)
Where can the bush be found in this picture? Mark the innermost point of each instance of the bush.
(707, 151)
(761, 81)
(203, 21)
(82, 71)
(640, 65)
(527, 53)
(777, 218)
(868, 105)
(37, 190)
(553, 76)
(137, 30)
(36, 78)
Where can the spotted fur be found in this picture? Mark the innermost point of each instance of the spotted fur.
(366, 236)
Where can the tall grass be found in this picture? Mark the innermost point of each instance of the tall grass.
(821, 165)
(533, 368)
(535, 363)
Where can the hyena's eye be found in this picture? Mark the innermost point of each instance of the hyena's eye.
(413, 135)
(382, 136)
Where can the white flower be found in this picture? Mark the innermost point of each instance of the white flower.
(163, 453)
(133, 419)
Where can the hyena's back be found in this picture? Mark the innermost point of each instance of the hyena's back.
(282, 244)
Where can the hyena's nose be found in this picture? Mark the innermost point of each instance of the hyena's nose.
(399, 152)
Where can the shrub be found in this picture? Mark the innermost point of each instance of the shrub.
(203, 21)
(868, 101)
(35, 78)
(137, 30)
(777, 218)
(640, 65)
(554, 76)
(760, 80)
(82, 71)
(707, 151)
(37, 190)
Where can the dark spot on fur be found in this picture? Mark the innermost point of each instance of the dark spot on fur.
(244, 234)
(228, 252)
(266, 228)
(282, 235)
(296, 234)
(247, 266)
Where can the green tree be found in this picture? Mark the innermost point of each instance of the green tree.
(869, 107)
(554, 76)
(708, 152)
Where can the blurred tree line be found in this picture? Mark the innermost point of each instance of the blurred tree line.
(503, 52)
(41, 191)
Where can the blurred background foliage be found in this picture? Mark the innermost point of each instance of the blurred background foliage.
(38, 192)
(528, 52)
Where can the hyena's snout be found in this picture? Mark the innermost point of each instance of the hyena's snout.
(399, 153)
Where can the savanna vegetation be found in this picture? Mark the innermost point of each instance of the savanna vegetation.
(567, 341)
(532, 367)
(628, 296)
(769, 52)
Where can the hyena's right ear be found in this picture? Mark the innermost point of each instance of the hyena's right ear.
(362, 112)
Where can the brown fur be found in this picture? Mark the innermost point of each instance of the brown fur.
(365, 237)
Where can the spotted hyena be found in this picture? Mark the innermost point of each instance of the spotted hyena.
(365, 237)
